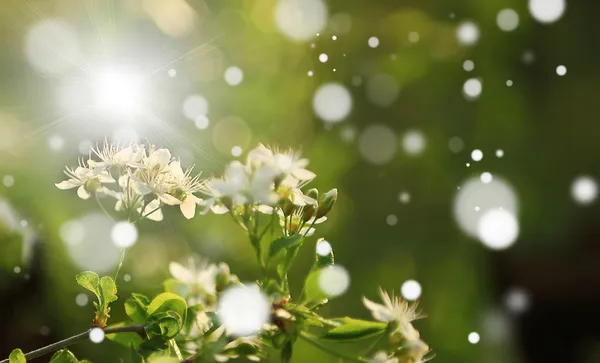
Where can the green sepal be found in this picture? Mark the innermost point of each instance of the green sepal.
(353, 329)
(17, 356)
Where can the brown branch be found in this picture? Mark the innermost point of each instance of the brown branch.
(79, 338)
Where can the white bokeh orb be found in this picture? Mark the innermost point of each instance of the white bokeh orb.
(233, 76)
(52, 46)
(300, 20)
(56, 142)
(334, 280)
(472, 88)
(517, 300)
(382, 89)
(391, 220)
(323, 58)
(467, 33)
(547, 11)
(195, 106)
(468, 65)
(243, 310)
(456, 144)
(323, 248)
(584, 190)
(474, 198)
(332, 102)
(561, 70)
(88, 243)
(486, 177)
(201, 122)
(507, 20)
(473, 337)
(124, 234)
(411, 290)
(413, 142)
(476, 155)
(404, 197)
(236, 151)
(499, 153)
(96, 335)
(498, 229)
(373, 42)
(81, 299)
(377, 144)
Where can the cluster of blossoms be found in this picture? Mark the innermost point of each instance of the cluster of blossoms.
(405, 343)
(205, 313)
(140, 180)
(270, 183)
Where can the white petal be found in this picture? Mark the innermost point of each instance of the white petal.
(160, 157)
(188, 207)
(82, 193)
(181, 273)
(168, 199)
(378, 311)
(67, 184)
(156, 216)
(175, 168)
(303, 174)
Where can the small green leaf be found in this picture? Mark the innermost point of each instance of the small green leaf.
(63, 356)
(166, 302)
(163, 326)
(284, 243)
(354, 329)
(287, 351)
(108, 290)
(135, 308)
(17, 356)
(90, 281)
(129, 339)
(312, 291)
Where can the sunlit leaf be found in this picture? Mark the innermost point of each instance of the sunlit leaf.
(354, 329)
(17, 356)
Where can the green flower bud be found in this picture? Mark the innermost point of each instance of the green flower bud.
(326, 202)
(310, 210)
(222, 278)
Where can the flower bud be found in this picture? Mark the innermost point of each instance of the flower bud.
(326, 202)
(310, 209)
(222, 278)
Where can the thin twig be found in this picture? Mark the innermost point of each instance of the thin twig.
(79, 338)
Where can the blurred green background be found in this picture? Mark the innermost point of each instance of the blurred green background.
(545, 124)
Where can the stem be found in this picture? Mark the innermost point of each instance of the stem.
(103, 209)
(311, 339)
(120, 264)
(79, 338)
(176, 349)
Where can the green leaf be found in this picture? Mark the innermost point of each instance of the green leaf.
(135, 308)
(90, 281)
(63, 356)
(108, 290)
(164, 326)
(17, 356)
(164, 360)
(354, 329)
(129, 339)
(168, 302)
(284, 243)
(287, 351)
(312, 291)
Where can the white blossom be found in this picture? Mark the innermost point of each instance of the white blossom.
(395, 309)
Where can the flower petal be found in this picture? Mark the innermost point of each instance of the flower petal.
(82, 193)
(67, 184)
(181, 273)
(188, 207)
